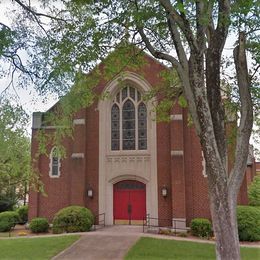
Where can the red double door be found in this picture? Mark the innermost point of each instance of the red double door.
(129, 202)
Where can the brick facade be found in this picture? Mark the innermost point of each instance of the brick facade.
(179, 165)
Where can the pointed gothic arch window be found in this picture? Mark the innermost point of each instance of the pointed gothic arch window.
(128, 121)
(54, 163)
(115, 127)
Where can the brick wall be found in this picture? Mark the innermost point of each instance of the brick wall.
(181, 174)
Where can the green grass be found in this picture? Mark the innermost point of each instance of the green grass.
(151, 248)
(34, 248)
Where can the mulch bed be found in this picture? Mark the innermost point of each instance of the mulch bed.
(21, 231)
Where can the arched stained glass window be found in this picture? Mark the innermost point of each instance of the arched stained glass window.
(142, 127)
(54, 163)
(115, 127)
(128, 120)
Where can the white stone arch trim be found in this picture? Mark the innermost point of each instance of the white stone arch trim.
(127, 177)
(113, 170)
(104, 107)
(140, 83)
(51, 162)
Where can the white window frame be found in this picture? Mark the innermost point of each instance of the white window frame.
(51, 162)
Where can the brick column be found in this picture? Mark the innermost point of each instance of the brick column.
(77, 157)
(177, 167)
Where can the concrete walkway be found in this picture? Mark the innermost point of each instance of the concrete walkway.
(108, 243)
(113, 242)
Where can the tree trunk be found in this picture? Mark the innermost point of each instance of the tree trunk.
(223, 213)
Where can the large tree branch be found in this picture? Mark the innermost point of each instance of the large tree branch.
(246, 120)
(182, 22)
(221, 31)
(201, 25)
(158, 54)
(213, 62)
(210, 24)
(182, 72)
(178, 43)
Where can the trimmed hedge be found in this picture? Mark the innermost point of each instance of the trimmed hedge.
(73, 219)
(23, 214)
(201, 227)
(248, 219)
(8, 220)
(39, 225)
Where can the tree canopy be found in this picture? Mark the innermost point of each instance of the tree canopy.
(15, 161)
(64, 38)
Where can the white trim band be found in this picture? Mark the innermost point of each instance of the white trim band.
(176, 117)
(79, 121)
(177, 152)
(77, 155)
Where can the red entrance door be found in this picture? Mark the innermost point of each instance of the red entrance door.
(129, 202)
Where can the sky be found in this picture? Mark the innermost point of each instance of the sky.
(27, 97)
(30, 100)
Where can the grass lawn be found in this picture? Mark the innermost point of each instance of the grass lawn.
(153, 248)
(34, 248)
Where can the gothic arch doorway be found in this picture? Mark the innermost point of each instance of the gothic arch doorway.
(129, 202)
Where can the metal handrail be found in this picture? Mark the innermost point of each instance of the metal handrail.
(148, 223)
(100, 222)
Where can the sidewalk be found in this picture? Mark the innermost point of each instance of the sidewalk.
(113, 242)
(107, 243)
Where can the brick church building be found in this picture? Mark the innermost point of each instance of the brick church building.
(123, 163)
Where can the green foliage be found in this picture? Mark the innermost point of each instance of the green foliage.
(15, 165)
(8, 220)
(248, 220)
(15, 155)
(7, 201)
(73, 219)
(39, 225)
(6, 38)
(201, 227)
(23, 214)
(5, 225)
(254, 192)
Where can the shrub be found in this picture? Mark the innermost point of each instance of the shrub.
(73, 219)
(201, 227)
(23, 214)
(248, 219)
(182, 234)
(7, 202)
(5, 226)
(39, 225)
(254, 192)
(8, 220)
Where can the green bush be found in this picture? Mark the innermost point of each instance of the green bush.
(254, 192)
(73, 219)
(39, 225)
(23, 214)
(248, 219)
(7, 202)
(201, 227)
(5, 226)
(8, 220)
